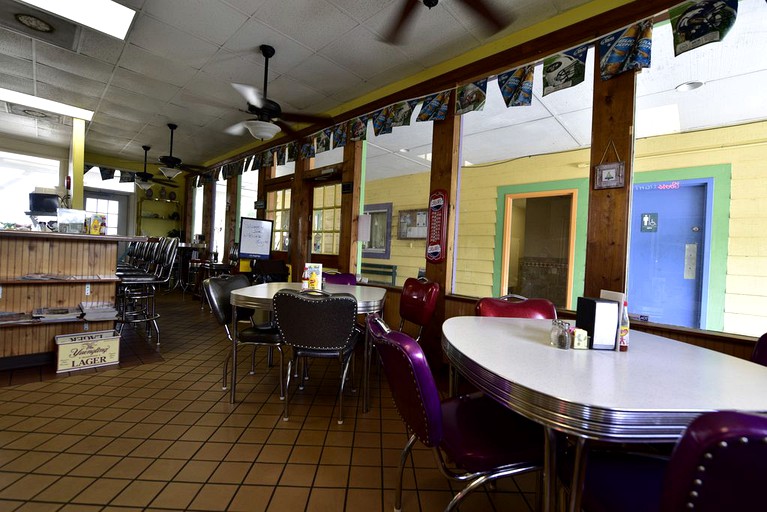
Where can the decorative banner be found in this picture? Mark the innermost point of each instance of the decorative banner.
(626, 50)
(382, 120)
(281, 153)
(216, 174)
(358, 128)
(434, 107)
(199, 182)
(564, 70)
(401, 113)
(697, 23)
(322, 140)
(86, 168)
(106, 174)
(339, 135)
(292, 150)
(268, 158)
(127, 177)
(307, 150)
(517, 86)
(246, 165)
(471, 97)
(227, 171)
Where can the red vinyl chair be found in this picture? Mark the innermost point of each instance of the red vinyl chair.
(516, 306)
(720, 463)
(418, 302)
(759, 355)
(482, 439)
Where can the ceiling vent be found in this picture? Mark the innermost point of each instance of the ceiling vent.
(39, 25)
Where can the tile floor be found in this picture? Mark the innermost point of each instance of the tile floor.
(159, 434)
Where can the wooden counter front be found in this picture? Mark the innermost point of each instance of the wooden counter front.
(83, 261)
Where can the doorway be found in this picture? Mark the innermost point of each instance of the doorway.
(539, 245)
(669, 253)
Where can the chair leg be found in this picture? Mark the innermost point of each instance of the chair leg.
(234, 373)
(253, 360)
(401, 470)
(224, 387)
(282, 382)
(344, 371)
(285, 415)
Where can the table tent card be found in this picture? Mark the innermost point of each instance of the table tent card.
(599, 318)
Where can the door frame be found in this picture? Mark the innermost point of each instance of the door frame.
(579, 188)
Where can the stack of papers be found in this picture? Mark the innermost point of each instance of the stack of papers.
(98, 310)
(56, 314)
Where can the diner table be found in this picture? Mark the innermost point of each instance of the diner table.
(649, 393)
(370, 299)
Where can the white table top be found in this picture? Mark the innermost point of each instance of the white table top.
(369, 298)
(650, 392)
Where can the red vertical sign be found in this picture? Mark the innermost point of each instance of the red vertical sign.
(436, 247)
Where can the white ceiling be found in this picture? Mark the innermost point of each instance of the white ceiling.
(181, 55)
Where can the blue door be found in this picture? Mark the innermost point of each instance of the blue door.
(667, 252)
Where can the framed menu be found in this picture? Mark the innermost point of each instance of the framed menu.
(412, 224)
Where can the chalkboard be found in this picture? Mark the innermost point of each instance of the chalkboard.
(255, 238)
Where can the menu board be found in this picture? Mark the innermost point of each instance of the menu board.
(255, 238)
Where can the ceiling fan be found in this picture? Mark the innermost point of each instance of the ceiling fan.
(492, 18)
(269, 117)
(144, 179)
(172, 165)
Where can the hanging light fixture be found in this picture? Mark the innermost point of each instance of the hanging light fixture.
(142, 178)
(262, 130)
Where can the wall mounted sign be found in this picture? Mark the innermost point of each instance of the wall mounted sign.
(649, 223)
(436, 246)
(412, 224)
(609, 175)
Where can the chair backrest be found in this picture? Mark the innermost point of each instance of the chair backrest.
(521, 308)
(759, 355)
(315, 320)
(418, 300)
(218, 290)
(339, 278)
(269, 271)
(410, 380)
(720, 463)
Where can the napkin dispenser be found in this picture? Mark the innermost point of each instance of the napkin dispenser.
(599, 318)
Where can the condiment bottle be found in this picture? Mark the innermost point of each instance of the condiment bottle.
(623, 343)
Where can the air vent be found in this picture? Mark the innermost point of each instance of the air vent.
(39, 25)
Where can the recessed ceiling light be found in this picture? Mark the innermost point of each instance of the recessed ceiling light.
(42, 104)
(404, 150)
(102, 15)
(689, 86)
(33, 22)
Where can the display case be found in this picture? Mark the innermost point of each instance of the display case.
(157, 217)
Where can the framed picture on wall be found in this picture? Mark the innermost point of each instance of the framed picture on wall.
(412, 224)
(609, 175)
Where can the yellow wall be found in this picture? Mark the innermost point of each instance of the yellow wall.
(743, 147)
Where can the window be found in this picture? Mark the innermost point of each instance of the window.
(379, 245)
(278, 210)
(21, 174)
(219, 219)
(326, 219)
(197, 218)
(105, 206)
(248, 195)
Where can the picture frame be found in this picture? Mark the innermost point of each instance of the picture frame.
(412, 224)
(609, 175)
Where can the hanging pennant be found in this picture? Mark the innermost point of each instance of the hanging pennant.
(281, 155)
(226, 170)
(307, 150)
(471, 97)
(292, 151)
(517, 86)
(382, 121)
(106, 173)
(358, 128)
(434, 107)
(127, 177)
(625, 50)
(564, 70)
(339, 135)
(401, 113)
(322, 140)
(246, 165)
(268, 158)
(697, 23)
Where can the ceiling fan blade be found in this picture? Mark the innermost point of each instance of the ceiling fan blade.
(295, 117)
(285, 127)
(193, 169)
(236, 129)
(393, 34)
(250, 93)
(495, 20)
(164, 182)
